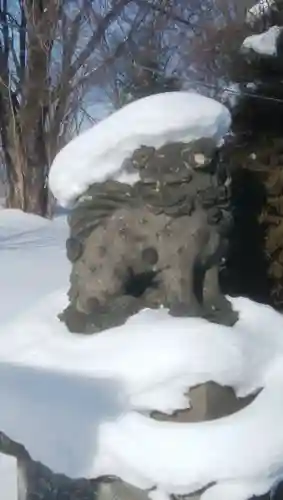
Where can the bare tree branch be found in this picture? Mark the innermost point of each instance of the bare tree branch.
(96, 37)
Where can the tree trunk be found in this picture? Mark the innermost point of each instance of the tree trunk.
(28, 167)
(15, 173)
(33, 198)
(27, 170)
(36, 191)
(35, 96)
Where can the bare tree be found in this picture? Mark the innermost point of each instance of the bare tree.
(59, 56)
(212, 56)
(49, 61)
(180, 44)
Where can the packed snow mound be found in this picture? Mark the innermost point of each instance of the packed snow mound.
(192, 349)
(260, 9)
(98, 153)
(263, 44)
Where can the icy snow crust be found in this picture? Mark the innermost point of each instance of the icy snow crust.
(75, 401)
(264, 43)
(98, 153)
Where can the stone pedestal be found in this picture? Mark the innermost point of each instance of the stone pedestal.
(208, 402)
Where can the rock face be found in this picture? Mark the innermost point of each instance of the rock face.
(158, 242)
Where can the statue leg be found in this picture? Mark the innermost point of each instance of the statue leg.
(216, 305)
(178, 253)
(178, 291)
(99, 298)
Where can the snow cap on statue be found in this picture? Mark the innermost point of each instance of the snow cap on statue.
(98, 153)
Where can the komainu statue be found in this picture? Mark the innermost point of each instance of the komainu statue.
(156, 243)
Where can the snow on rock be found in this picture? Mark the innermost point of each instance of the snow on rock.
(260, 9)
(264, 43)
(98, 153)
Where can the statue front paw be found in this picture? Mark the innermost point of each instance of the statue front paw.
(220, 311)
(190, 309)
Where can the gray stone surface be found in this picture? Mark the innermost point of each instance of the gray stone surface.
(157, 242)
(208, 402)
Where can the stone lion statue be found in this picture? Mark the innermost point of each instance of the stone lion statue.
(157, 243)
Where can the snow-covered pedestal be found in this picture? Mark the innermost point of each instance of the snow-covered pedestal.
(150, 212)
(81, 404)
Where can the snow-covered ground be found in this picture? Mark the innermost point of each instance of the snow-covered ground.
(32, 260)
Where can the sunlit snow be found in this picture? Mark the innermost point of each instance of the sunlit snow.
(264, 43)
